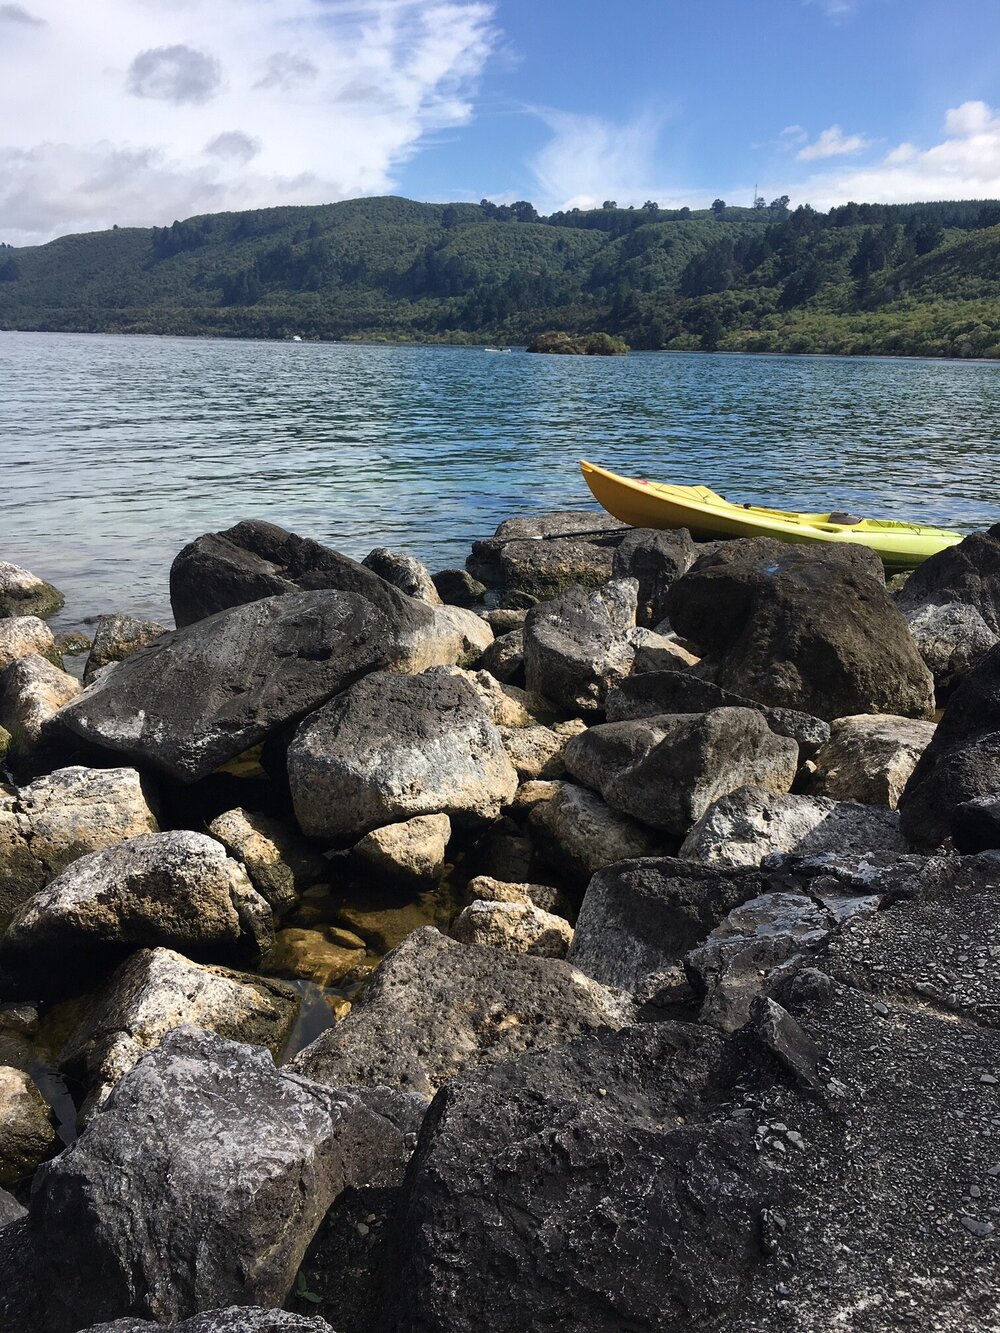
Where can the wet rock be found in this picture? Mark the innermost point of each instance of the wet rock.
(952, 639)
(23, 636)
(197, 697)
(546, 568)
(235, 1319)
(749, 824)
(25, 594)
(10, 1209)
(435, 1007)
(578, 834)
(640, 918)
(579, 646)
(656, 559)
(60, 817)
(404, 572)
(666, 771)
(32, 691)
(396, 746)
(798, 628)
(310, 955)
(486, 889)
(27, 1135)
(156, 991)
(175, 890)
(412, 851)
(118, 637)
(456, 587)
(516, 927)
(279, 862)
(967, 574)
(676, 691)
(869, 758)
(961, 763)
(537, 752)
(199, 1185)
(504, 658)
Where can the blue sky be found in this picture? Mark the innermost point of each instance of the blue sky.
(139, 111)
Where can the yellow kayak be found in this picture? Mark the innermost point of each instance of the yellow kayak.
(650, 504)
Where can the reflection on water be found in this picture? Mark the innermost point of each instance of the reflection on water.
(117, 451)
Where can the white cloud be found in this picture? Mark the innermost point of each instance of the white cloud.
(135, 113)
(834, 9)
(965, 164)
(832, 143)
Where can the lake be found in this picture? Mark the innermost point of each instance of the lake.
(117, 451)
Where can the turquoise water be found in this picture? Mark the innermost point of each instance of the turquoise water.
(117, 451)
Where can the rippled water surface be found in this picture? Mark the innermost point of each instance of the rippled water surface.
(117, 451)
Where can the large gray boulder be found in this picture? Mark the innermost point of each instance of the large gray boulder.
(435, 1007)
(60, 817)
(577, 834)
(742, 828)
(175, 890)
(392, 747)
(666, 771)
(199, 1185)
(156, 991)
(577, 647)
(962, 762)
(656, 559)
(967, 574)
(544, 554)
(639, 918)
(25, 594)
(795, 627)
(197, 697)
(869, 758)
(952, 639)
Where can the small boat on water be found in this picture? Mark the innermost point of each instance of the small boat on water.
(496, 349)
(650, 504)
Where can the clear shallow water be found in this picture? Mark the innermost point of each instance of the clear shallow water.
(114, 452)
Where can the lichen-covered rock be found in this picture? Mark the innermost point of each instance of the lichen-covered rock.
(396, 746)
(280, 863)
(487, 889)
(117, 637)
(25, 594)
(808, 629)
(657, 559)
(21, 636)
(869, 758)
(199, 1185)
(32, 691)
(516, 927)
(176, 890)
(26, 1126)
(435, 1007)
(673, 691)
(157, 990)
(404, 572)
(546, 568)
(580, 646)
(751, 823)
(197, 697)
(577, 834)
(666, 771)
(410, 852)
(64, 815)
(537, 752)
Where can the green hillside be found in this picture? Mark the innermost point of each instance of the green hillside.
(903, 279)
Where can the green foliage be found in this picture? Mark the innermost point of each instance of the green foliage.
(864, 278)
(585, 344)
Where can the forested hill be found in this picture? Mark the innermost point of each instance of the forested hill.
(919, 279)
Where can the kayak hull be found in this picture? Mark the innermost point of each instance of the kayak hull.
(644, 504)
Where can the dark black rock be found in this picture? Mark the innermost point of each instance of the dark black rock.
(456, 587)
(968, 573)
(800, 628)
(10, 1209)
(975, 825)
(657, 559)
(236, 1319)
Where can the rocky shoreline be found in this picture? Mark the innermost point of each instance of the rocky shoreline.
(602, 936)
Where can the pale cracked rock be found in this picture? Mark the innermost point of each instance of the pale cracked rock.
(404, 572)
(280, 863)
(869, 758)
(747, 825)
(952, 639)
(157, 990)
(543, 896)
(395, 746)
(32, 690)
(578, 834)
(537, 752)
(26, 1131)
(25, 594)
(60, 817)
(176, 890)
(118, 637)
(21, 636)
(516, 927)
(470, 630)
(435, 1008)
(413, 850)
(508, 705)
